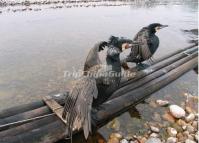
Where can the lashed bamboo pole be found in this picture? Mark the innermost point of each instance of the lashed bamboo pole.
(26, 115)
(121, 104)
(56, 130)
(158, 66)
(45, 110)
(31, 106)
(150, 77)
(174, 53)
(29, 126)
(27, 107)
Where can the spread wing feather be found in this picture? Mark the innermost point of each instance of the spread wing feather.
(78, 105)
(93, 57)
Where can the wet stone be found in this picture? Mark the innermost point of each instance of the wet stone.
(188, 109)
(176, 111)
(154, 129)
(116, 135)
(153, 140)
(113, 140)
(171, 140)
(162, 102)
(154, 135)
(123, 141)
(181, 137)
(191, 137)
(190, 117)
(190, 129)
(195, 124)
(181, 122)
(168, 117)
(189, 141)
(156, 117)
(171, 132)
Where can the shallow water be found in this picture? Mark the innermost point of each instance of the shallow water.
(37, 47)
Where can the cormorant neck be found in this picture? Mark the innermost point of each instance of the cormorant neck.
(152, 31)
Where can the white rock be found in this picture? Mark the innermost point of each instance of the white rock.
(123, 141)
(154, 135)
(177, 111)
(153, 140)
(190, 117)
(189, 141)
(171, 140)
(171, 131)
(154, 129)
(162, 102)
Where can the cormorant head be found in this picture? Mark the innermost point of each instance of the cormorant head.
(154, 27)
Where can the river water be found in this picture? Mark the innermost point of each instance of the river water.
(36, 47)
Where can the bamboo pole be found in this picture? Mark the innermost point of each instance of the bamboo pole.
(152, 76)
(31, 106)
(174, 53)
(22, 116)
(158, 66)
(56, 130)
(27, 107)
(123, 103)
(45, 110)
(37, 104)
(27, 127)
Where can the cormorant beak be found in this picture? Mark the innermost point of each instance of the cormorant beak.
(163, 26)
(160, 27)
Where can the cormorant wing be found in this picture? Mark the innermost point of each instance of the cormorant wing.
(93, 57)
(143, 40)
(78, 105)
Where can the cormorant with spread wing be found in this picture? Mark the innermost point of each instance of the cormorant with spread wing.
(146, 45)
(95, 87)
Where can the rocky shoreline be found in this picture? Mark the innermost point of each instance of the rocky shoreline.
(180, 126)
(38, 5)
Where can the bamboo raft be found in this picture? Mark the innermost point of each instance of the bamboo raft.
(37, 123)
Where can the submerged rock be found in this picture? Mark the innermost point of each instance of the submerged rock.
(168, 117)
(113, 140)
(176, 111)
(114, 124)
(116, 135)
(162, 102)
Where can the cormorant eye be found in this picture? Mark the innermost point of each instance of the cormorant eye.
(157, 28)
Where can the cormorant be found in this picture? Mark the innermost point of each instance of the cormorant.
(94, 87)
(145, 45)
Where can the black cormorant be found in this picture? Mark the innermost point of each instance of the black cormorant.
(95, 87)
(146, 44)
